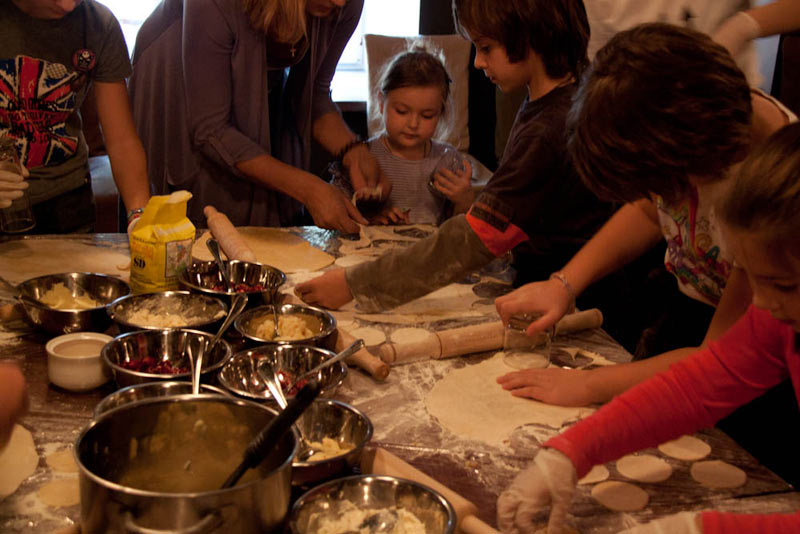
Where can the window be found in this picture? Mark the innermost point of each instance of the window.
(387, 17)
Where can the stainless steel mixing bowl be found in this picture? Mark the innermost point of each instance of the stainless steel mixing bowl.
(321, 323)
(100, 287)
(168, 309)
(149, 390)
(204, 277)
(169, 347)
(240, 377)
(381, 495)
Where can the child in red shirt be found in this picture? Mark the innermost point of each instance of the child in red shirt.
(760, 216)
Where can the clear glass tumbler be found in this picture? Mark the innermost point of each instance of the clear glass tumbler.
(522, 351)
(18, 217)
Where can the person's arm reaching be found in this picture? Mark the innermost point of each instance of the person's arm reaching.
(125, 151)
(780, 16)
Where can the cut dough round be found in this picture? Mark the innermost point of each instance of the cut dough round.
(620, 496)
(60, 492)
(687, 448)
(62, 461)
(18, 460)
(353, 259)
(644, 468)
(371, 336)
(598, 473)
(718, 474)
(410, 335)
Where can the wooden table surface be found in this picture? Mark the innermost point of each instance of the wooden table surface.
(476, 470)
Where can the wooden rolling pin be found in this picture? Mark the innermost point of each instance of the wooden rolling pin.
(379, 461)
(475, 338)
(232, 243)
(364, 359)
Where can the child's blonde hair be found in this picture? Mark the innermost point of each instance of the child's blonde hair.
(764, 196)
(281, 20)
(419, 66)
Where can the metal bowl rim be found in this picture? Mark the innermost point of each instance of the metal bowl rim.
(151, 331)
(33, 302)
(184, 279)
(114, 316)
(310, 495)
(238, 324)
(360, 446)
(97, 412)
(83, 470)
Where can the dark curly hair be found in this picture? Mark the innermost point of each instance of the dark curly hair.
(557, 30)
(659, 103)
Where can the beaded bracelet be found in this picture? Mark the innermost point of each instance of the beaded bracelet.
(348, 147)
(561, 277)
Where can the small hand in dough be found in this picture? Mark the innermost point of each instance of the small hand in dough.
(329, 290)
(563, 387)
(548, 481)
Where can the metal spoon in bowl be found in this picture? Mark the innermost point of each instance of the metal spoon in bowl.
(265, 369)
(354, 347)
(238, 303)
(213, 247)
(275, 333)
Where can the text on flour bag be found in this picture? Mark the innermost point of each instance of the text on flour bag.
(161, 243)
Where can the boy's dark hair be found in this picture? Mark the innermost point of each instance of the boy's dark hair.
(658, 104)
(765, 194)
(557, 30)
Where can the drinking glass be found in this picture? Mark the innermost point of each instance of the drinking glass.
(18, 217)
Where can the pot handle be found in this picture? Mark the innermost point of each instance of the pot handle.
(207, 524)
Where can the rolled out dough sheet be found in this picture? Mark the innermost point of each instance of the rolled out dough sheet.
(371, 336)
(29, 258)
(278, 248)
(718, 474)
(62, 461)
(687, 448)
(598, 473)
(18, 460)
(470, 403)
(620, 496)
(60, 492)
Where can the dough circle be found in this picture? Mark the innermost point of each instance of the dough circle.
(644, 468)
(718, 474)
(371, 336)
(60, 492)
(620, 496)
(62, 461)
(353, 259)
(410, 335)
(18, 460)
(598, 473)
(687, 448)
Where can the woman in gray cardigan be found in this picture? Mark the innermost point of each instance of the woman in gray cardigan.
(227, 96)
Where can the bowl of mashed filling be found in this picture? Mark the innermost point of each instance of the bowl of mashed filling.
(296, 324)
(70, 302)
(365, 504)
(168, 309)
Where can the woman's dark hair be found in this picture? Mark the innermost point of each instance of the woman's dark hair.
(557, 30)
(765, 194)
(658, 104)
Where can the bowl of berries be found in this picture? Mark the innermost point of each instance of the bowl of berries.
(153, 355)
(259, 281)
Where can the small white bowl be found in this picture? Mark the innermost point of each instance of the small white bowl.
(74, 362)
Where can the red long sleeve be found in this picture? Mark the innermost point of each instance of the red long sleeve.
(754, 355)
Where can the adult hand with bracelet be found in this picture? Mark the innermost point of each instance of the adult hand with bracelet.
(552, 298)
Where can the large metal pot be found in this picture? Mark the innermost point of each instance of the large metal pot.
(118, 443)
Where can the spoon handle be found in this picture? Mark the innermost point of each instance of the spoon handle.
(269, 436)
(354, 347)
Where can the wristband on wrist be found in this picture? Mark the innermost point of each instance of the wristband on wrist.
(134, 214)
(561, 277)
(348, 147)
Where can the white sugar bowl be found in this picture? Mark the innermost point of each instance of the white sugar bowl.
(74, 362)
